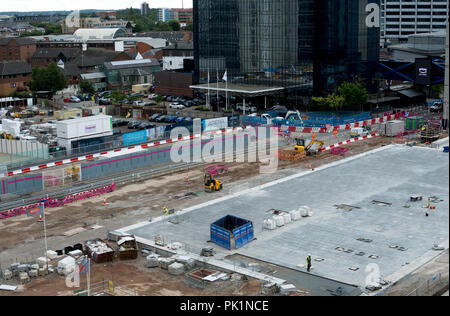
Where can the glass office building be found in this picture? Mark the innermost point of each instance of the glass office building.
(282, 43)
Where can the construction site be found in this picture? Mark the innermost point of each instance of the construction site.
(368, 213)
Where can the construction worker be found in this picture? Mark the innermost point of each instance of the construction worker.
(308, 263)
(313, 136)
(166, 211)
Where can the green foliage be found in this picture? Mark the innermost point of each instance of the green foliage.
(32, 33)
(354, 95)
(189, 27)
(87, 87)
(174, 25)
(202, 108)
(117, 96)
(159, 99)
(48, 79)
(49, 28)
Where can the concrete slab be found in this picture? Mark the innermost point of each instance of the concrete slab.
(391, 174)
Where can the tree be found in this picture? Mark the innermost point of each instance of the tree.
(87, 87)
(48, 79)
(189, 27)
(355, 96)
(174, 25)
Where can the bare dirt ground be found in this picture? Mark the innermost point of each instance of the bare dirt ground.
(22, 238)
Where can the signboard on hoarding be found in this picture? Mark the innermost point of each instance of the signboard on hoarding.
(215, 124)
(135, 138)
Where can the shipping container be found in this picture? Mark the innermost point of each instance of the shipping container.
(232, 232)
(98, 125)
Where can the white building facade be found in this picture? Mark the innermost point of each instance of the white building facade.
(400, 18)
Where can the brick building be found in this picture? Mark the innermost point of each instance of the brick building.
(14, 76)
(17, 48)
(174, 83)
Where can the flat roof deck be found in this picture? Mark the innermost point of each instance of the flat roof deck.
(244, 90)
(391, 174)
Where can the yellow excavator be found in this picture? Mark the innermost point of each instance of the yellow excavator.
(301, 146)
(211, 184)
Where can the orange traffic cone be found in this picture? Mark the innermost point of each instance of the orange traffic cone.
(41, 220)
(104, 202)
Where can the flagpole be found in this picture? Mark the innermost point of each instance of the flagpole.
(209, 97)
(226, 91)
(218, 89)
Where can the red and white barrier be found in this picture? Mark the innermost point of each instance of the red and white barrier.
(353, 140)
(346, 127)
(121, 151)
(56, 202)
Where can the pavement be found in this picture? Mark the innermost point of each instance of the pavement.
(391, 235)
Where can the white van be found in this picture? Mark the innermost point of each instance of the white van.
(359, 132)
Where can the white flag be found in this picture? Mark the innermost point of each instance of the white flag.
(225, 76)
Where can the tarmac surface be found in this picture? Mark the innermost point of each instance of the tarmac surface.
(391, 235)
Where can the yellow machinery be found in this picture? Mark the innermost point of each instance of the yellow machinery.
(5, 135)
(211, 184)
(301, 146)
(73, 172)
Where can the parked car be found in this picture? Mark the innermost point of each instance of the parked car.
(437, 107)
(104, 101)
(170, 99)
(161, 119)
(104, 94)
(180, 120)
(67, 100)
(74, 99)
(176, 105)
(171, 119)
(133, 124)
(143, 126)
(248, 108)
(153, 96)
(154, 117)
(188, 119)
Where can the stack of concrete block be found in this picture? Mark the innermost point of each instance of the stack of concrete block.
(42, 271)
(52, 255)
(33, 273)
(208, 252)
(164, 263)
(176, 268)
(152, 261)
(270, 224)
(7, 274)
(270, 289)
(288, 289)
(42, 261)
(14, 269)
(295, 215)
(187, 261)
(24, 278)
(75, 254)
(279, 220)
(34, 266)
(305, 211)
(23, 268)
(287, 218)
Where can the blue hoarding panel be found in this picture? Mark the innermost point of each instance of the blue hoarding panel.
(135, 138)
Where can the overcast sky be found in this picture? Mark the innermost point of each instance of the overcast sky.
(66, 5)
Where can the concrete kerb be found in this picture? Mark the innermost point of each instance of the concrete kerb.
(260, 187)
(399, 275)
(439, 144)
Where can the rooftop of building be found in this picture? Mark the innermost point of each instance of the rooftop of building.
(116, 65)
(14, 68)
